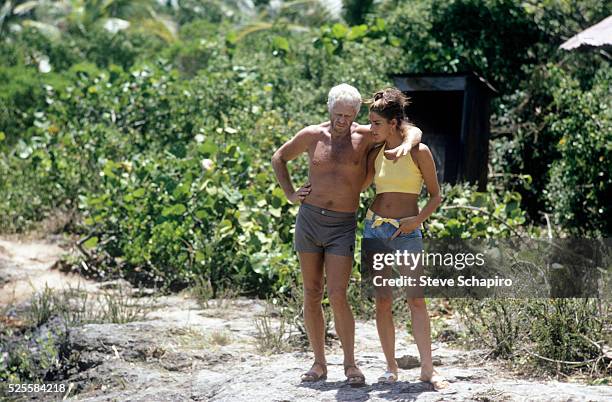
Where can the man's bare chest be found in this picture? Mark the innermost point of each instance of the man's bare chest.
(337, 154)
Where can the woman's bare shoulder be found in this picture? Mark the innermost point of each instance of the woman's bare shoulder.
(421, 150)
(421, 154)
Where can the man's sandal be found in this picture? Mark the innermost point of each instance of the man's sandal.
(354, 380)
(388, 378)
(312, 376)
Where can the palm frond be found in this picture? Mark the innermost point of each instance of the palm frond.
(156, 27)
(26, 7)
(252, 28)
(50, 31)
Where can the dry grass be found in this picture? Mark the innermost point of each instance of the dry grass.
(272, 337)
(202, 291)
(77, 306)
(207, 297)
(219, 338)
(189, 338)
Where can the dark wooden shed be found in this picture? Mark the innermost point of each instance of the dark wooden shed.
(453, 110)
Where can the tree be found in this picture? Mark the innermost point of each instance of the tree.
(54, 18)
(355, 11)
(299, 15)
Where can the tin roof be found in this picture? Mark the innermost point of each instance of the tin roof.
(598, 35)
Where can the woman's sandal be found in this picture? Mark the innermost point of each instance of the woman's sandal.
(354, 380)
(312, 376)
(388, 378)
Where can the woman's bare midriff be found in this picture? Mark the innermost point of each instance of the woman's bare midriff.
(395, 205)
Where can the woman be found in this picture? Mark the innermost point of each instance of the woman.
(394, 214)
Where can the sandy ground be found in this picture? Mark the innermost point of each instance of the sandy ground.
(185, 352)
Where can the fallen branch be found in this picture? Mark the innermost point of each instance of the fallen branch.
(80, 243)
(582, 363)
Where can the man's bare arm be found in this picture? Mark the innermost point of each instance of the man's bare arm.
(411, 134)
(370, 170)
(289, 151)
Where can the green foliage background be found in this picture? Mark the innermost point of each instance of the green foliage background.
(157, 138)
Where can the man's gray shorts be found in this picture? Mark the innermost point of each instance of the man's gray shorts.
(320, 230)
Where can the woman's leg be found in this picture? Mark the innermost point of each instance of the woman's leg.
(384, 303)
(422, 334)
(386, 330)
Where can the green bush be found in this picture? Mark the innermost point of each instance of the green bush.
(171, 220)
(580, 181)
(466, 213)
(22, 96)
(567, 330)
(562, 129)
(495, 38)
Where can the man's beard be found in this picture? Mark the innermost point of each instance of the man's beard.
(340, 130)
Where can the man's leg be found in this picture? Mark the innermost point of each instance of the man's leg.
(338, 272)
(311, 265)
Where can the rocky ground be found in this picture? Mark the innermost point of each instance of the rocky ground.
(182, 351)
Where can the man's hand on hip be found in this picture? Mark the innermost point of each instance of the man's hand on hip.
(300, 194)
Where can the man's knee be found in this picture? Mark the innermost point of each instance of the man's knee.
(417, 303)
(313, 295)
(337, 296)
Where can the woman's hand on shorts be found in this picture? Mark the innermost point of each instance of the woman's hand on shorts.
(407, 225)
(300, 194)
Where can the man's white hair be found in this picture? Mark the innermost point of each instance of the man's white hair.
(344, 93)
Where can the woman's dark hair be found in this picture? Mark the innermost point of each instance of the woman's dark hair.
(390, 104)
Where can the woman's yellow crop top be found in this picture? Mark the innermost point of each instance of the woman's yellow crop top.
(400, 177)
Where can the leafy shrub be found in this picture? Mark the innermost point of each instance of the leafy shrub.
(499, 325)
(21, 97)
(567, 330)
(495, 38)
(580, 179)
(467, 213)
(558, 124)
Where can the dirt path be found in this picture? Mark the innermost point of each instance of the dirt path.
(25, 268)
(185, 352)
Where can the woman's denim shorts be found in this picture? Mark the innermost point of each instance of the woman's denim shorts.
(412, 242)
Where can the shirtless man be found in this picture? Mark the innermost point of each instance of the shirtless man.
(325, 225)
